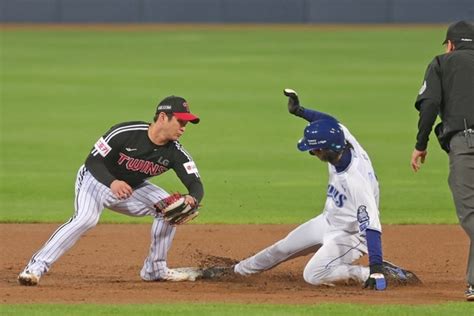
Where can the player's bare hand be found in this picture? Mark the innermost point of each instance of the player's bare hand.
(190, 200)
(121, 189)
(417, 157)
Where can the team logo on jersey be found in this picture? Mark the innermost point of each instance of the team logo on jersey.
(423, 88)
(190, 167)
(140, 165)
(163, 161)
(102, 147)
(336, 196)
(363, 217)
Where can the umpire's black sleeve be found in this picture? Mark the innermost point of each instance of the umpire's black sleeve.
(428, 111)
(428, 103)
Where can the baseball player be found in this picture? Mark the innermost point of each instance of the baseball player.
(115, 175)
(349, 225)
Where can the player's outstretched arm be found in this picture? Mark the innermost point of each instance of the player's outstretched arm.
(295, 108)
(376, 280)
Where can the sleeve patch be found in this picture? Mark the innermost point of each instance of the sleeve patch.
(102, 147)
(190, 167)
(363, 218)
(423, 88)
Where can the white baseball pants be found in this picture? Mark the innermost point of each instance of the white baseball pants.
(91, 198)
(332, 262)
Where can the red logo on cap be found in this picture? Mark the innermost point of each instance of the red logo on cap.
(185, 104)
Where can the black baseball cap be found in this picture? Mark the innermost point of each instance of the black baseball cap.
(179, 107)
(461, 31)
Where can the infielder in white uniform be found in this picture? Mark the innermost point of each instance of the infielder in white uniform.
(349, 225)
(115, 176)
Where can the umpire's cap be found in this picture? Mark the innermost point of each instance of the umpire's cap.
(179, 107)
(461, 31)
(322, 134)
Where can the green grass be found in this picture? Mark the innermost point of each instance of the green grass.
(61, 90)
(234, 309)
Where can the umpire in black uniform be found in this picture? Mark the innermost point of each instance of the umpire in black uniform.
(448, 91)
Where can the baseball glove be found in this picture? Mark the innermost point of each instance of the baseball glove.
(175, 210)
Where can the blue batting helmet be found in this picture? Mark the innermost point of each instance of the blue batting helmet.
(322, 134)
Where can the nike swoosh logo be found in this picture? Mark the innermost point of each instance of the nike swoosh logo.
(130, 149)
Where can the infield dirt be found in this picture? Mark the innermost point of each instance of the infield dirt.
(103, 267)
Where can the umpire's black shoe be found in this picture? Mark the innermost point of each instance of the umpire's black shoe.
(397, 275)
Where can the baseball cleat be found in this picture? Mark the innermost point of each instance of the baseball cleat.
(176, 275)
(470, 293)
(192, 272)
(27, 278)
(397, 275)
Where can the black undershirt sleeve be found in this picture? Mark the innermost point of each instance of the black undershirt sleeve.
(96, 166)
(191, 179)
(96, 163)
(195, 189)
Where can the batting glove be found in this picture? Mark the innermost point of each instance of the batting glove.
(376, 280)
(293, 102)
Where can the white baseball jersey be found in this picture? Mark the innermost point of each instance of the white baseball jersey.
(353, 195)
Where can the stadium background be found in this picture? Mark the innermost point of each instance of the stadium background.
(236, 11)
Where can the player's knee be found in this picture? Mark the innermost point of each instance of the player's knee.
(315, 275)
(88, 223)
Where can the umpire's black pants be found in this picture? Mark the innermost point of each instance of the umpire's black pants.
(461, 182)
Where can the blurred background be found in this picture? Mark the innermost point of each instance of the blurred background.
(235, 11)
(70, 69)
